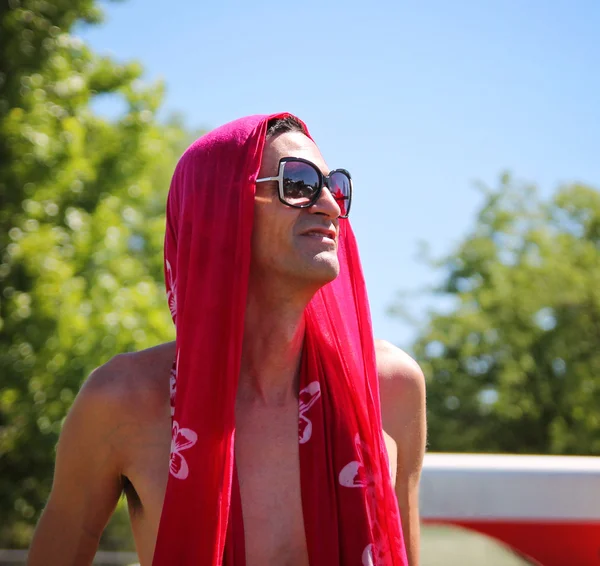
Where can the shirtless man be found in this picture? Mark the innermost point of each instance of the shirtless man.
(117, 436)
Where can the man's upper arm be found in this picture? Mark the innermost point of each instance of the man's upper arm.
(402, 391)
(87, 480)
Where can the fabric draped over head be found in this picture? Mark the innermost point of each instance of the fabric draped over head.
(350, 510)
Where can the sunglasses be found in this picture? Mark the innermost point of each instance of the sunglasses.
(301, 182)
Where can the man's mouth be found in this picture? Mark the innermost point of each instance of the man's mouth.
(321, 233)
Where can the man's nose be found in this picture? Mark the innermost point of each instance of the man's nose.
(326, 204)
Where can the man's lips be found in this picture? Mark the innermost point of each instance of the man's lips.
(320, 233)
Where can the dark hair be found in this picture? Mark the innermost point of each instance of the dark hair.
(278, 126)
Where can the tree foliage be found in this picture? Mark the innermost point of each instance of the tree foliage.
(81, 229)
(514, 365)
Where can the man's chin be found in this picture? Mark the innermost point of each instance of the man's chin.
(324, 267)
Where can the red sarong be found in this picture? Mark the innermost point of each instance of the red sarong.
(350, 510)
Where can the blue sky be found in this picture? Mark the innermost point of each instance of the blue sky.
(418, 100)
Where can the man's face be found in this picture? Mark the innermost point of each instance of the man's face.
(283, 246)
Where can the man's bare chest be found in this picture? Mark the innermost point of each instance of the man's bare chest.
(267, 461)
(268, 464)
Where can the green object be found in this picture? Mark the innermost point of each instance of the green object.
(81, 230)
(513, 364)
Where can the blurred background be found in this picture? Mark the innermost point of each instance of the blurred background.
(471, 129)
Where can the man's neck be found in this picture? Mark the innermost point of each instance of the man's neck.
(272, 349)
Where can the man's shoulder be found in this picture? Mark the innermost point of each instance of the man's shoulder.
(133, 379)
(401, 384)
(396, 368)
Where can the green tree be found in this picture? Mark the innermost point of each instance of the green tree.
(514, 365)
(81, 227)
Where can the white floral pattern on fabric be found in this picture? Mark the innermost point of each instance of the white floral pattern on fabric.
(355, 474)
(350, 474)
(367, 556)
(182, 439)
(171, 291)
(307, 398)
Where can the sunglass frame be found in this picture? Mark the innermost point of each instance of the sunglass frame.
(323, 182)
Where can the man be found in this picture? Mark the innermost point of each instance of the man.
(269, 448)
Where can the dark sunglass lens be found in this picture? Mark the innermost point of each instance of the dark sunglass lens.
(339, 185)
(300, 183)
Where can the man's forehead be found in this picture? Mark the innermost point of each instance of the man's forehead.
(292, 144)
